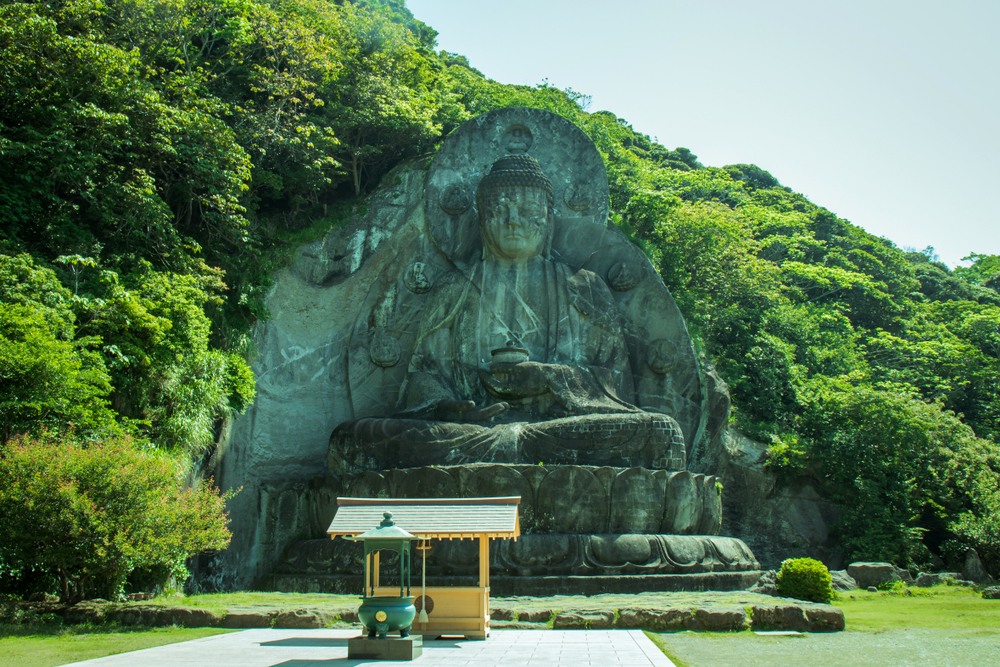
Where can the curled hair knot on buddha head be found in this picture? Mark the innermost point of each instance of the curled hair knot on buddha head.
(514, 170)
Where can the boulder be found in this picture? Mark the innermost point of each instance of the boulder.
(47, 598)
(974, 570)
(185, 617)
(824, 617)
(779, 617)
(535, 616)
(927, 579)
(767, 584)
(84, 613)
(584, 619)
(133, 616)
(992, 593)
(718, 619)
(873, 574)
(656, 620)
(503, 615)
(302, 619)
(842, 582)
(247, 619)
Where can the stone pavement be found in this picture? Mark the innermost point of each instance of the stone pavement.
(328, 648)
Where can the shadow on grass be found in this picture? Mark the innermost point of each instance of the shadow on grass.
(59, 630)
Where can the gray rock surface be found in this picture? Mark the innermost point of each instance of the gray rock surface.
(554, 499)
(928, 579)
(991, 593)
(585, 619)
(779, 617)
(82, 613)
(542, 555)
(247, 619)
(535, 616)
(777, 521)
(842, 582)
(767, 584)
(718, 619)
(873, 574)
(973, 569)
(503, 615)
(155, 616)
(302, 619)
(656, 620)
(824, 618)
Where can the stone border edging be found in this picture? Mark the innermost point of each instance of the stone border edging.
(804, 617)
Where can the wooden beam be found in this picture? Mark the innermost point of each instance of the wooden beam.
(502, 500)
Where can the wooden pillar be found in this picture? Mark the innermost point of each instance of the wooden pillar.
(484, 562)
(375, 567)
(364, 582)
(484, 585)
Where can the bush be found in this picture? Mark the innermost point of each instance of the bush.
(80, 517)
(805, 579)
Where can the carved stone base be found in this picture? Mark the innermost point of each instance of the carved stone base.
(542, 555)
(554, 498)
(506, 586)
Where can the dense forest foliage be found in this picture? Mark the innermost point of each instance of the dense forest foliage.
(160, 159)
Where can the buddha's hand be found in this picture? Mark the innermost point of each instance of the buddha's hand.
(522, 380)
(466, 411)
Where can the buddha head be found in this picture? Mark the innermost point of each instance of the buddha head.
(515, 204)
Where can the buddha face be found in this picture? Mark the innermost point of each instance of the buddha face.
(514, 222)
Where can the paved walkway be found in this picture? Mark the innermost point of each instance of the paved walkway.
(328, 648)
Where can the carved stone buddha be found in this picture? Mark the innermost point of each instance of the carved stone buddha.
(518, 358)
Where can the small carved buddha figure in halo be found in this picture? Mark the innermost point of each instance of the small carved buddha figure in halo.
(518, 359)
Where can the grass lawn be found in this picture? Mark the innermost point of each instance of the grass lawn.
(944, 625)
(942, 607)
(220, 602)
(49, 645)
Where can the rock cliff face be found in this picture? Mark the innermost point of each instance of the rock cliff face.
(325, 358)
(777, 521)
(280, 443)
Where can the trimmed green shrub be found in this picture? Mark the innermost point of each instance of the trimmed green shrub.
(805, 579)
(80, 517)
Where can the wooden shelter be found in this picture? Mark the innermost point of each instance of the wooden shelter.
(451, 610)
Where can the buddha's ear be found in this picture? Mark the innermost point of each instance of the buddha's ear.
(550, 233)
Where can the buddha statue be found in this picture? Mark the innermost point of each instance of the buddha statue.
(517, 359)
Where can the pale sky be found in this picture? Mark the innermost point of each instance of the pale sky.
(886, 113)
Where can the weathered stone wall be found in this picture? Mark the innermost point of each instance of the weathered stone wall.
(777, 521)
(301, 368)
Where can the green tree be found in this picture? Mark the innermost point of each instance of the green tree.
(379, 105)
(46, 380)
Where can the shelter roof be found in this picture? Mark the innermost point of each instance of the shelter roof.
(430, 518)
